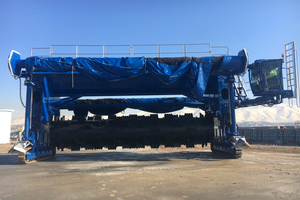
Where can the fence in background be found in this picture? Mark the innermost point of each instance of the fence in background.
(281, 136)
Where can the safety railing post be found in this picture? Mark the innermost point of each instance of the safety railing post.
(103, 51)
(50, 49)
(228, 51)
(76, 51)
(158, 50)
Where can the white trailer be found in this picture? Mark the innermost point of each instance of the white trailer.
(5, 123)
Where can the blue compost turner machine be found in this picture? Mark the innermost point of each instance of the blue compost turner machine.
(211, 84)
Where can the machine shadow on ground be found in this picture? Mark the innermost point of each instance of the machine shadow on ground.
(11, 159)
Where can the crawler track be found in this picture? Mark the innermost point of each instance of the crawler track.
(22, 157)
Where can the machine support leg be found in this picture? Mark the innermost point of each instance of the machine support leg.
(233, 128)
(229, 140)
(35, 144)
(28, 111)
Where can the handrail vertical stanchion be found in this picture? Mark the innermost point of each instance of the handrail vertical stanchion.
(209, 49)
(158, 51)
(30, 52)
(50, 51)
(184, 50)
(132, 50)
(76, 51)
(103, 51)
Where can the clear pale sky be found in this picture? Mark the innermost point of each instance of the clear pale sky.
(261, 27)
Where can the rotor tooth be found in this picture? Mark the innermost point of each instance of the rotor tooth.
(126, 146)
(133, 146)
(154, 146)
(153, 116)
(75, 148)
(140, 146)
(168, 145)
(111, 147)
(176, 145)
(190, 145)
(112, 116)
(97, 118)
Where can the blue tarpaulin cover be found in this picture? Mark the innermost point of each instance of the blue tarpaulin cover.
(121, 68)
(199, 74)
(110, 68)
(168, 74)
(167, 70)
(55, 64)
(187, 76)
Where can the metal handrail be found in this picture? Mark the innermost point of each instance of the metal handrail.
(32, 53)
(132, 50)
(104, 53)
(227, 47)
(161, 45)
